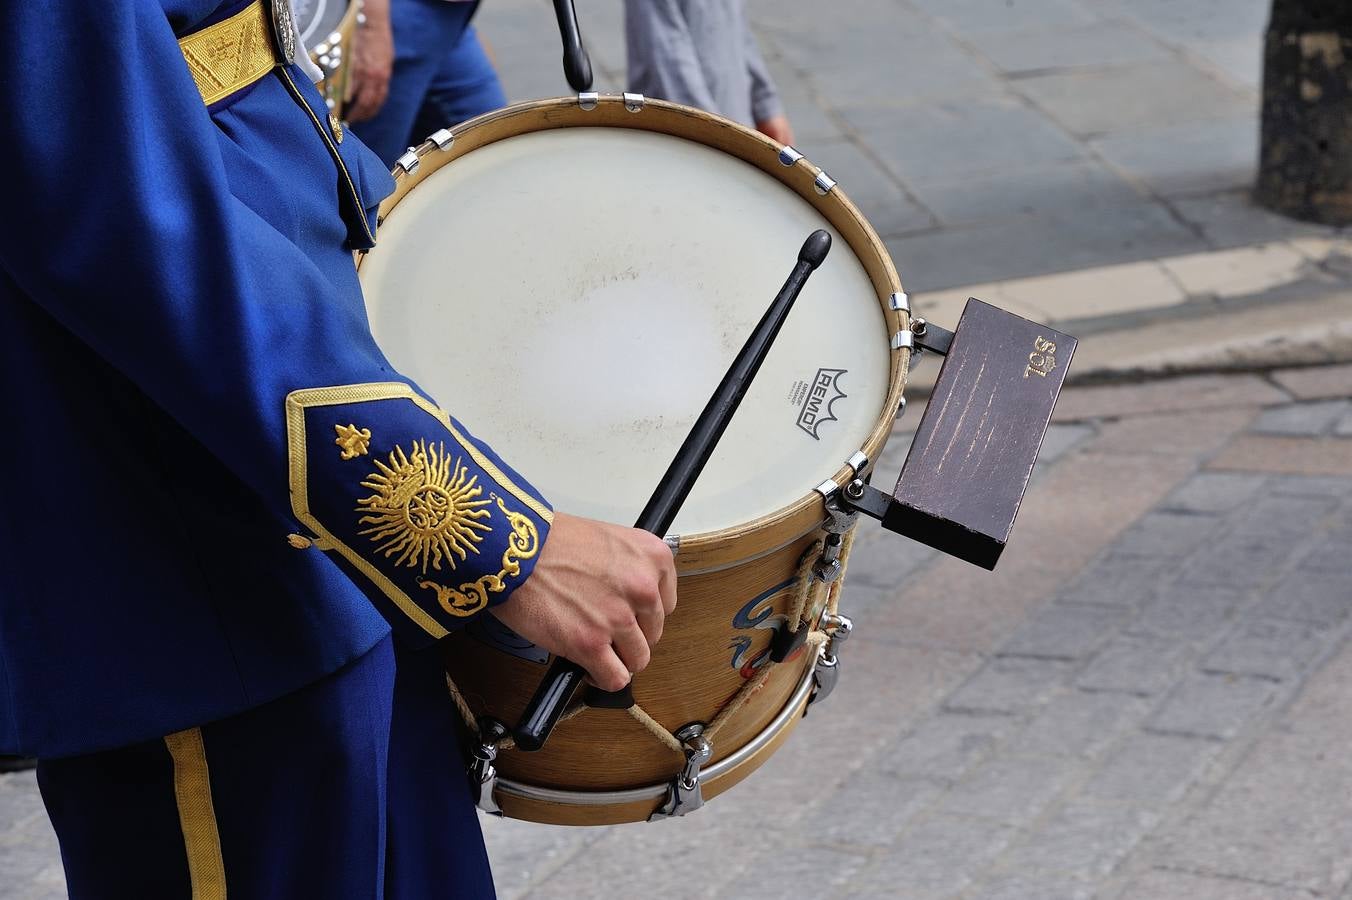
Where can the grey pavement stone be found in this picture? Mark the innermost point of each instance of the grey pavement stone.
(1131, 664)
(1166, 534)
(1212, 706)
(1017, 248)
(1164, 884)
(806, 869)
(1150, 770)
(1232, 219)
(1283, 816)
(936, 858)
(1115, 580)
(1215, 492)
(1063, 631)
(912, 73)
(1009, 686)
(1194, 157)
(1242, 560)
(871, 808)
(1011, 789)
(1057, 189)
(1186, 21)
(1316, 382)
(1083, 838)
(1276, 516)
(1305, 419)
(1026, 887)
(1332, 554)
(976, 17)
(522, 852)
(1310, 485)
(1343, 428)
(945, 746)
(1062, 46)
(1127, 98)
(1271, 648)
(1188, 612)
(945, 141)
(1077, 724)
(1321, 597)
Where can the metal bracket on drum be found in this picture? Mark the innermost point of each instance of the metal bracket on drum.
(965, 475)
(483, 775)
(685, 794)
(826, 673)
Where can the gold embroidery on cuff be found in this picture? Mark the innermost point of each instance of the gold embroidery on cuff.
(424, 508)
(522, 543)
(353, 441)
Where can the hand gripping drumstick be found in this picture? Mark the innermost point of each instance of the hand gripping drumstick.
(576, 63)
(543, 711)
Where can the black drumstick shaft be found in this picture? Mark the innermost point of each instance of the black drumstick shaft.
(551, 697)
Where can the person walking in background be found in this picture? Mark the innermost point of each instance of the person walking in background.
(702, 53)
(418, 66)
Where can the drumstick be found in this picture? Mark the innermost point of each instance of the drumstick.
(576, 63)
(543, 711)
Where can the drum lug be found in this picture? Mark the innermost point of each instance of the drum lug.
(409, 161)
(633, 102)
(483, 775)
(685, 793)
(588, 100)
(839, 520)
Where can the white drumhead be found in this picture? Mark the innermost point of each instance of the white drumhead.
(575, 296)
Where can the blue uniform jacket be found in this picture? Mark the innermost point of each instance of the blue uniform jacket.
(214, 483)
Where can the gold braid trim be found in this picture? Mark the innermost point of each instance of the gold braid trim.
(472, 596)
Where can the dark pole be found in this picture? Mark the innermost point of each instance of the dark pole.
(1305, 168)
(551, 697)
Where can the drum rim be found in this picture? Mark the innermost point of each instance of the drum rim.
(709, 776)
(709, 550)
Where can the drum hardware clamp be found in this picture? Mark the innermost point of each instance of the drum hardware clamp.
(483, 775)
(409, 161)
(788, 155)
(826, 673)
(633, 102)
(685, 795)
(588, 100)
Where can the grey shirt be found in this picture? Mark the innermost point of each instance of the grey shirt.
(701, 53)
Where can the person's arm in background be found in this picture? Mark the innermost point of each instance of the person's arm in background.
(125, 228)
(372, 62)
(662, 57)
(767, 110)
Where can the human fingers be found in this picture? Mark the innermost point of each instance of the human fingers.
(631, 646)
(605, 669)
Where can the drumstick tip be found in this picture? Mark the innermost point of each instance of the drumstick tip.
(815, 248)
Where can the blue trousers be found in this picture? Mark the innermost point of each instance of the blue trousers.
(441, 77)
(353, 787)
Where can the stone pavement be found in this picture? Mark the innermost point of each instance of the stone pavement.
(1151, 698)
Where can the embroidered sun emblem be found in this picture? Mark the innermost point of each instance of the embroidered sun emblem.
(424, 508)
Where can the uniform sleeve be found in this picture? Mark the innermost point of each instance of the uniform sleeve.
(662, 57)
(125, 230)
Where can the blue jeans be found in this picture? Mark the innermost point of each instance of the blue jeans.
(441, 77)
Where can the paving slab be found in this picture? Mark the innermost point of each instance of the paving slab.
(1290, 455)
(1316, 382)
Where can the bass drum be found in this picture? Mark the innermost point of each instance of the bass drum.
(572, 278)
(327, 28)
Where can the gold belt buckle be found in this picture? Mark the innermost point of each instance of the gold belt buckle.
(284, 30)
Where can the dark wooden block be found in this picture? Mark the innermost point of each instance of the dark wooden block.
(974, 451)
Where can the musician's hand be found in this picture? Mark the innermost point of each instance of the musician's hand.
(598, 596)
(372, 63)
(776, 127)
